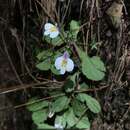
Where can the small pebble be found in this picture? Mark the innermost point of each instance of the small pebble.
(109, 33)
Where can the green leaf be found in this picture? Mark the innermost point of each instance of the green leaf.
(74, 77)
(69, 86)
(45, 126)
(83, 123)
(45, 65)
(70, 118)
(57, 54)
(36, 106)
(91, 102)
(81, 97)
(74, 26)
(55, 41)
(39, 116)
(60, 104)
(81, 53)
(98, 63)
(74, 29)
(78, 107)
(83, 86)
(44, 55)
(93, 68)
(95, 45)
(54, 70)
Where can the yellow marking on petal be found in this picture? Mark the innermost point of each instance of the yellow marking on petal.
(53, 29)
(64, 63)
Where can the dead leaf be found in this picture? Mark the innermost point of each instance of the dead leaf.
(115, 13)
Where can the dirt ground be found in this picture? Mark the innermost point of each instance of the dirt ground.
(15, 73)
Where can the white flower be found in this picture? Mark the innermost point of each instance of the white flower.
(58, 126)
(51, 114)
(64, 63)
(51, 30)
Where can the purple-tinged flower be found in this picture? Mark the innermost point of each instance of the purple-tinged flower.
(64, 63)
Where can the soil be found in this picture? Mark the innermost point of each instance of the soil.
(115, 113)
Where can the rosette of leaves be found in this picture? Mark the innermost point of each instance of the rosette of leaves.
(69, 112)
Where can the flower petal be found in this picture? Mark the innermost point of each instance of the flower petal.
(51, 114)
(70, 65)
(48, 26)
(66, 55)
(58, 126)
(47, 32)
(58, 62)
(54, 34)
(62, 71)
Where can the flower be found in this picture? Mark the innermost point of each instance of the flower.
(51, 30)
(51, 114)
(64, 63)
(58, 126)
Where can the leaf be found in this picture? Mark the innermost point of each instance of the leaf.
(83, 123)
(74, 25)
(54, 70)
(115, 13)
(45, 65)
(93, 68)
(74, 29)
(70, 117)
(69, 86)
(55, 41)
(74, 77)
(45, 126)
(78, 107)
(44, 55)
(36, 106)
(81, 97)
(91, 102)
(57, 54)
(98, 63)
(60, 104)
(84, 86)
(39, 116)
(94, 44)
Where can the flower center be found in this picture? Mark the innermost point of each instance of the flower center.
(53, 29)
(64, 63)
